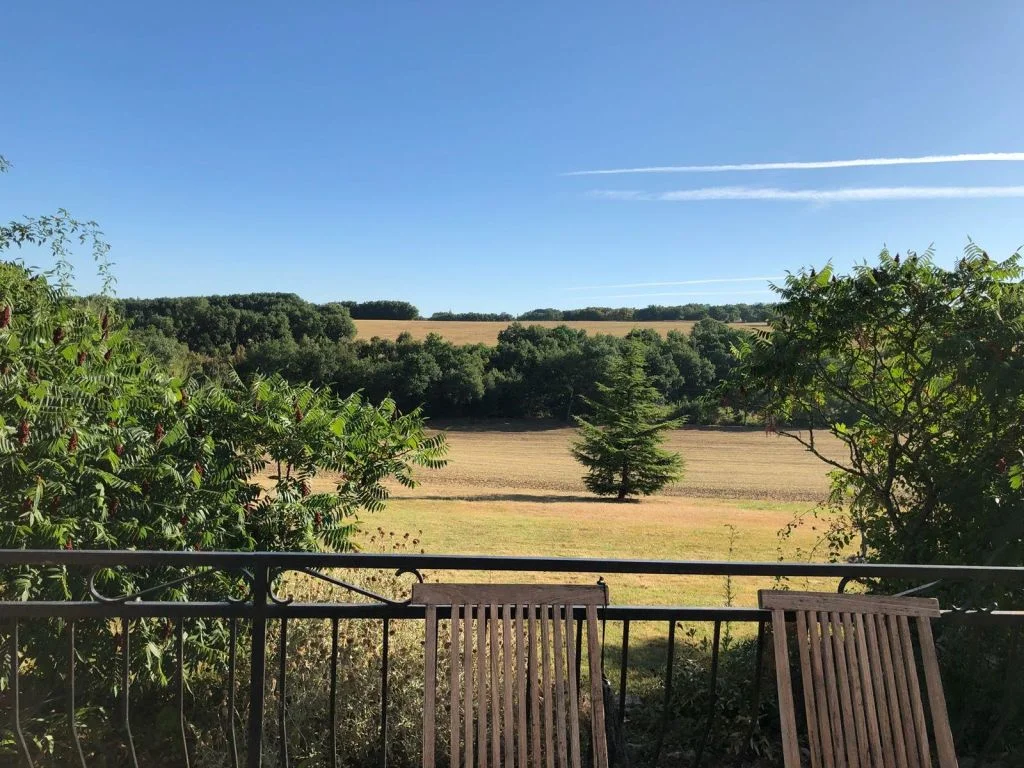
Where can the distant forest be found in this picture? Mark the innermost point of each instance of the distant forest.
(391, 309)
(726, 313)
(531, 372)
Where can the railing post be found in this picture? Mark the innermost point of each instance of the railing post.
(257, 682)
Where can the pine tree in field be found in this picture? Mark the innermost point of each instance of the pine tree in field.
(620, 445)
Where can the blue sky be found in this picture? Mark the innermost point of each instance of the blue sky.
(418, 150)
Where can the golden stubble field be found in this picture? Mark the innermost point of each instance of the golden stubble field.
(513, 489)
(460, 332)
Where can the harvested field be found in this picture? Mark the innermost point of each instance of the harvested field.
(512, 488)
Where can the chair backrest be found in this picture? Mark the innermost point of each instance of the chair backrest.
(861, 689)
(513, 655)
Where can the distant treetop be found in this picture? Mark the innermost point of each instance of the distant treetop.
(383, 309)
(727, 313)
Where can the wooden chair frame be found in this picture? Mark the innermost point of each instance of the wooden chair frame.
(530, 664)
(861, 689)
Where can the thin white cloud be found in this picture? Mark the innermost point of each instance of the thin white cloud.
(678, 282)
(974, 157)
(842, 195)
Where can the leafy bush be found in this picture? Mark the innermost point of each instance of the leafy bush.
(919, 371)
(101, 449)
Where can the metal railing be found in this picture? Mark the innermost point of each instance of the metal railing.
(247, 619)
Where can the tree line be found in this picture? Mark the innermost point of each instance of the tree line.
(532, 372)
(241, 318)
(726, 313)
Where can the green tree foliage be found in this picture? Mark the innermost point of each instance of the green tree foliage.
(385, 309)
(620, 445)
(729, 313)
(211, 325)
(547, 313)
(489, 317)
(919, 371)
(532, 371)
(715, 341)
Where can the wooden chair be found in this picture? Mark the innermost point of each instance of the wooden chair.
(862, 693)
(522, 663)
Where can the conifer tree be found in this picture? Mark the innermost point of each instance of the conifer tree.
(620, 444)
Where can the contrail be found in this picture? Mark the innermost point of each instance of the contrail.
(677, 282)
(974, 157)
(842, 195)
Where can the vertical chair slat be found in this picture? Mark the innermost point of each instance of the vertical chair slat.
(507, 681)
(534, 687)
(896, 716)
(560, 680)
(878, 685)
(806, 675)
(495, 694)
(914, 684)
(936, 697)
(430, 687)
(597, 723)
(521, 681)
(832, 690)
(844, 685)
(481, 686)
(868, 690)
(856, 691)
(467, 677)
(455, 728)
(572, 660)
(549, 725)
(820, 697)
(790, 747)
(900, 670)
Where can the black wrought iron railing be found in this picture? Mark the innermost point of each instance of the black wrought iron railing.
(235, 702)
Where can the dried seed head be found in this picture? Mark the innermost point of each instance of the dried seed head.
(81, 357)
(158, 433)
(58, 335)
(5, 316)
(24, 432)
(106, 355)
(73, 442)
(119, 449)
